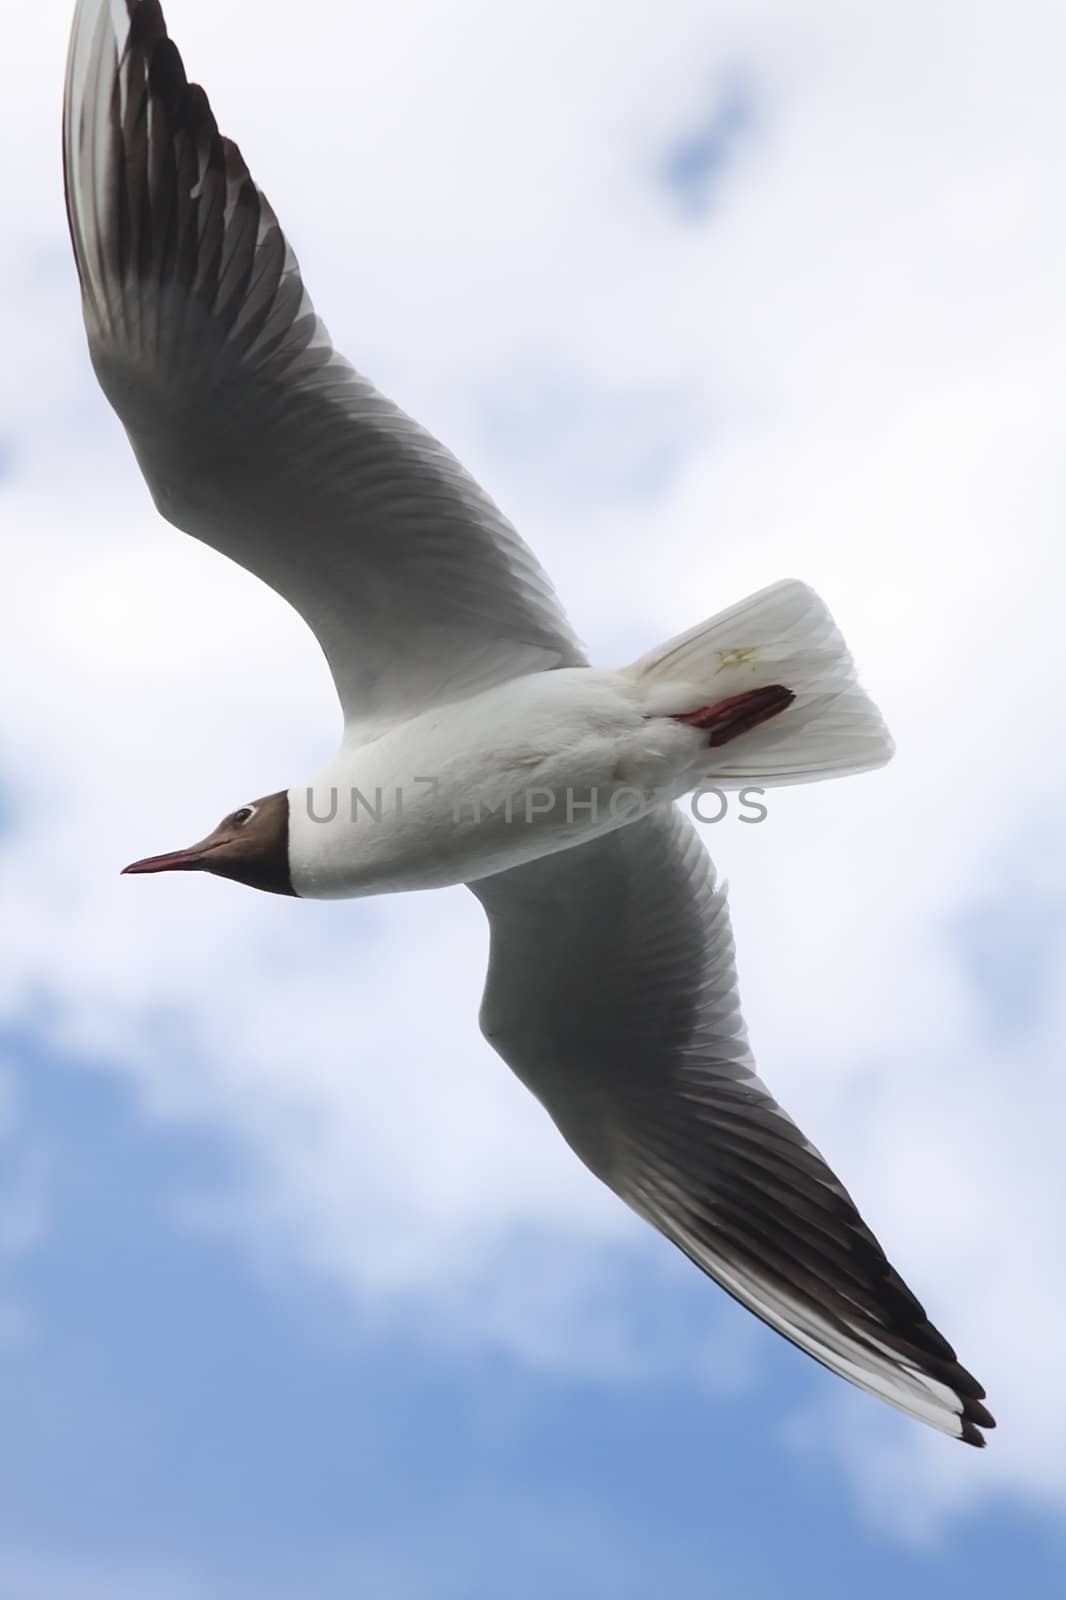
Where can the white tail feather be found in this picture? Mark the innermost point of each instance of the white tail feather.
(782, 635)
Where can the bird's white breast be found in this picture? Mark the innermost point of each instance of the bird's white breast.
(472, 788)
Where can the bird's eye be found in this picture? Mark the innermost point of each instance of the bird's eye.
(243, 815)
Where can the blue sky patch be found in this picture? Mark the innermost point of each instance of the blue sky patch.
(169, 1409)
(696, 164)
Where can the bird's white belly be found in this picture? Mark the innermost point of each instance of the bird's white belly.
(530, 767)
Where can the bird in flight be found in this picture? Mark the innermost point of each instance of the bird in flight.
(479, 746)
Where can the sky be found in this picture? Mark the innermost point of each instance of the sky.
(299, 1291)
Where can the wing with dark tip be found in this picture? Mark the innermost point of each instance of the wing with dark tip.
(612, 994)
(253, 433)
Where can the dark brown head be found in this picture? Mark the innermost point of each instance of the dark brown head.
(251, 846)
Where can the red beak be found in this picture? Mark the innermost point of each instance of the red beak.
(189, 860)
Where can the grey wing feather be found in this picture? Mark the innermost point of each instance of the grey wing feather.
(253, 433)
(612, 994)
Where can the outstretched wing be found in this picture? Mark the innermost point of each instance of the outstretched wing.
(612, 993)
(253, 433)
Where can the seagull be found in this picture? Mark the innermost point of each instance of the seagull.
(479, 745)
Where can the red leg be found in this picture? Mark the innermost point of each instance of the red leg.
(728, 719)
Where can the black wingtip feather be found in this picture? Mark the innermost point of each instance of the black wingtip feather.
(974, 1411)
(166, 71)
(183, 210)
(147, 23)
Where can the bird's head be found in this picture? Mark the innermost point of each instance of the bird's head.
(251, 845)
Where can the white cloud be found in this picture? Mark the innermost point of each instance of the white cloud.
(859, 355)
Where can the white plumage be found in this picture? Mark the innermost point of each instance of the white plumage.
(612, 988)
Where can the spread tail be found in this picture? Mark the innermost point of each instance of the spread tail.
(775, 673)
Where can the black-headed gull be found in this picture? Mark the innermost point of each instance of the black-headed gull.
(479, 747)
